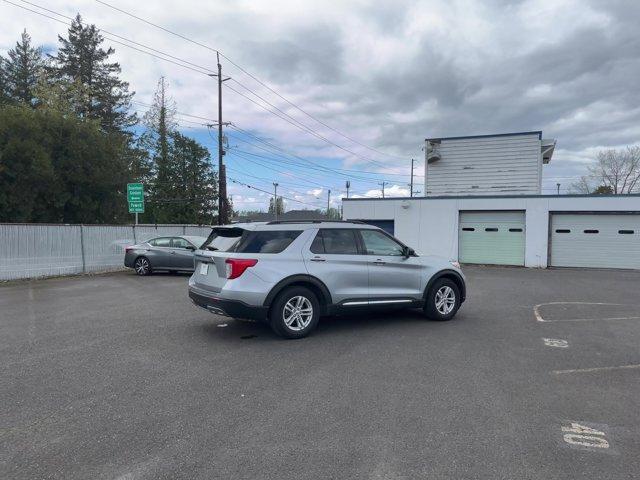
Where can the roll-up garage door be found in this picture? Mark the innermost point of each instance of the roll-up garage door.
(491, 237)
(607, 240)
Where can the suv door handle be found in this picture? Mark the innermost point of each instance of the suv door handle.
(379, 262)
(318, 259)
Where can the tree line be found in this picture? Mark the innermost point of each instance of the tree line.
(70, 141)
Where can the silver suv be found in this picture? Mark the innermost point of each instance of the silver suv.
(289, 274)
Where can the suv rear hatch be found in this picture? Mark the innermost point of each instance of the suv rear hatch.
(209, 261)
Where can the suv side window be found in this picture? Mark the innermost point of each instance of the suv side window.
(266, 241)
(377, 243)
(178, 242)
(160, 242)
(335, 241)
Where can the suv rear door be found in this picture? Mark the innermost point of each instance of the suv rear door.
(334, 258)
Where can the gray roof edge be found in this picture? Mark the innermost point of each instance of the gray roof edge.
(476, 197)
(512, 134)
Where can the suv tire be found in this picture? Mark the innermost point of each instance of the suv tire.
(295, 312)
(443, 300)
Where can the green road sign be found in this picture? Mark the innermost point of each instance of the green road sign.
(135, 192)
(136, 207)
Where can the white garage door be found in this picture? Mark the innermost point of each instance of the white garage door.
(599, 241)
(492, 238)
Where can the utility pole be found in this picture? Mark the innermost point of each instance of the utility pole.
(558, 188)
(328, 201)
(222, 174)
(275, 200)
(383, 184)
(348, 185)
(411, 185)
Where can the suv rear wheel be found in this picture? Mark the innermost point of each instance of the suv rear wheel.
(295, 312)
(443, 300)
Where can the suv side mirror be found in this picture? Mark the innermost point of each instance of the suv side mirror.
(408, 252)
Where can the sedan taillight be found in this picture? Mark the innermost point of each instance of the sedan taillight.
(236, 266)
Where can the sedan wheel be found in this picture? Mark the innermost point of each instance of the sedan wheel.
(142, 266)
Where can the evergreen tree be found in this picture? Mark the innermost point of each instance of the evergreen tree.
(81, 60)
(193, 190)
(58, 168)
(279, 205)
(160, 124)
(22, 69)
(4, 95)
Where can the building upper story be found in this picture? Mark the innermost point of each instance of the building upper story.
(507, 163)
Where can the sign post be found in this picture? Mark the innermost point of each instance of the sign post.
(135, 197)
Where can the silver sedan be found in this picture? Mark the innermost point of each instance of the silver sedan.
(170, 253)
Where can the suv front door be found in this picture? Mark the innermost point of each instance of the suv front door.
(391, 274)
(334, 258)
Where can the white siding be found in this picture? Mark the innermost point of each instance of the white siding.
(430, 225)
(486, 166)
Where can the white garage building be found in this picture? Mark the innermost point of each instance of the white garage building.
(484, 206)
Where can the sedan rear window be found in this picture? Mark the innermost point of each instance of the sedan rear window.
(273, 241)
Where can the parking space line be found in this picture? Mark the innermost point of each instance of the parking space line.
(595, 369)
(540, 318)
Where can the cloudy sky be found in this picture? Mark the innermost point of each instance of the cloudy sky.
(375, 79)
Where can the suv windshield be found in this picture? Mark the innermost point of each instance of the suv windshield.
(223, 239)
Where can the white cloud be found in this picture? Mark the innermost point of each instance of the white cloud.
(389, 73)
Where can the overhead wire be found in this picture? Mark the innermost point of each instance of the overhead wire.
(250, 75)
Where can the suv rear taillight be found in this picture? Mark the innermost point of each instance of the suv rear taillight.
(235, 267)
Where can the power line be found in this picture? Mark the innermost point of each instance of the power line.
(198, 69)
(291, 120)
(148, 22)
(204, 71)
(381, 174)
(264, 191)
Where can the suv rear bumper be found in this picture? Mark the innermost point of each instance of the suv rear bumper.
(228, 308)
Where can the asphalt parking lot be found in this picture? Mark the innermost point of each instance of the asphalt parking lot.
(120, 377)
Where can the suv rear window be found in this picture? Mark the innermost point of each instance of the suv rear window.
(271, 241)
(340, 241)
(222, 239)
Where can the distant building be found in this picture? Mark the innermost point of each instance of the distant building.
(499, 164)
(483, 205)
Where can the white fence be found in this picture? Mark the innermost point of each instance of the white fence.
(33, 250)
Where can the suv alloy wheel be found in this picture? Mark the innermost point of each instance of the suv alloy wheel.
(443, 300)
(295, 312)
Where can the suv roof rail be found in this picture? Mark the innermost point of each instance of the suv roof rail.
(279, 222)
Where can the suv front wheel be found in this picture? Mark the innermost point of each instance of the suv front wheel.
(295, 312)
(443, 300)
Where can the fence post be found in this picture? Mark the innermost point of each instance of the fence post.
(84, 265)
